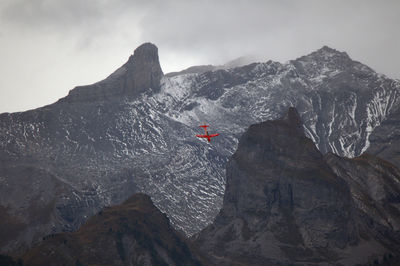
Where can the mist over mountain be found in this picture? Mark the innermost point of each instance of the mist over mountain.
(135, 132)
(238, 62)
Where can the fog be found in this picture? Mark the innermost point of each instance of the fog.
(48, 47)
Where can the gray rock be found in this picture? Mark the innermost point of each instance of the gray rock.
(142, 73)
(135, 131)
(385, 139)
(375, 189)
(284, 204)
(133, 233)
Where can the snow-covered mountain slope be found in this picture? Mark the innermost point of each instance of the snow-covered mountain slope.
(286, 204)
(340, 100)
(135, 131)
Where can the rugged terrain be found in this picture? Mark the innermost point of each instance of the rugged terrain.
(385, 139)
(133, 233)
(134, 132)
(285, 203)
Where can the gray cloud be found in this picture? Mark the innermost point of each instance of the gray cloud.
(48, 47)
(277, 30)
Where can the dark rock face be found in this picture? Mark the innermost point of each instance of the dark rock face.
(133, 233)
(375, 188)
(284, 204)
(340, 100)
(142, 73)
(35, 203)
(135, 132)
(385, 139)
(350, 102)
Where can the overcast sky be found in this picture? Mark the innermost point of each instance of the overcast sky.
(47, 47)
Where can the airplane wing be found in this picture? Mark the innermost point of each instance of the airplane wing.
(204, 136)
(208, 137)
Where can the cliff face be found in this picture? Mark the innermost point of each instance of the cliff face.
(142, 73)
(385, 139)
(31, 197)
(284, 204)
(375, 189)
(135, 132)
(133, 233)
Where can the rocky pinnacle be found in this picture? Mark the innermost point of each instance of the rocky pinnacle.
(284, 204)
(140, 74)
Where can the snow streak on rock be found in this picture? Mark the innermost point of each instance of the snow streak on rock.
(110, 146)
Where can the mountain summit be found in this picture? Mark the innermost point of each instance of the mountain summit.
(142, 73)
(284, 204)
(135, 132)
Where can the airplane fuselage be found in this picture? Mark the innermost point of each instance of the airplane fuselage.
(206, 135)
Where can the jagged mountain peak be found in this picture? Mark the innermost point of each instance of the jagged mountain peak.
(102, 151)
(145, 54)
(329, 63)
(272, 129)
(140, 74)
(293, 117)
(275, 174)
(146, 49)
(328, 49)
(328, 52)
(284, 204)
(323, 56)
(277, 138)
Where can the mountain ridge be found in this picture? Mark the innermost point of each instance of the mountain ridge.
(199, 69)
(133, 233)
(286, 203)
(141, 73)
(102, 147)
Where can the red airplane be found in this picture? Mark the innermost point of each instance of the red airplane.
(207, 136)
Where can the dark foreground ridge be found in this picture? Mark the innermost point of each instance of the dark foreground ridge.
(284, 204)
(133, 233)
(62, 163)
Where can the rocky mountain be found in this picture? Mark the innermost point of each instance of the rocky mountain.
(385, 139)
(133, 233)
(134, 132)
(287, 204)
(142, 73)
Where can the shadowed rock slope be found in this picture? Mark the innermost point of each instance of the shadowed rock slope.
(43, 189)
(141, 73)
(135, 132)
(133, 233)
(284, 204)
(385, 139)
